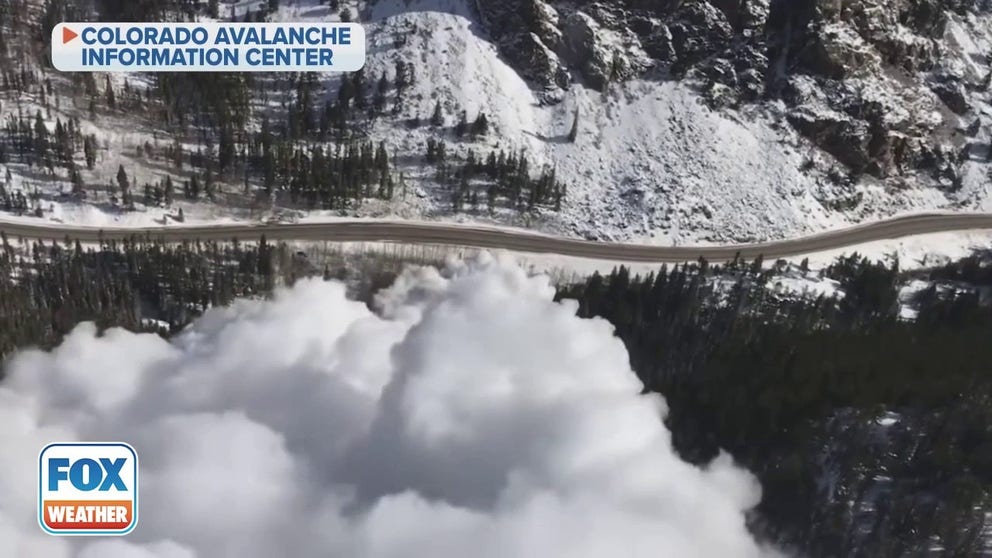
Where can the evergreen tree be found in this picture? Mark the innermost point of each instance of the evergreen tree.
(124, 185)
(379, 99)
(62, 144)
(40, 135)
(402, 75)
(574, 132)
(194, 187)
(89, 150)
(378, 103)
(109, 92)
(226, 148)
(383, 85)
(360, 89)
(177, 154)
(167, 190)
(481, 125)
(208, 184)
(437, 119)
(78, 188)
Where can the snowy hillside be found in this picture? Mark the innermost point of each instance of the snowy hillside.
(673, 145)
(651, 160)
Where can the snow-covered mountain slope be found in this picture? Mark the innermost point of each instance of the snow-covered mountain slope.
(652, 158)
(697, 121)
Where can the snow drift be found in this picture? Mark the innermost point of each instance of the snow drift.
(470, 416)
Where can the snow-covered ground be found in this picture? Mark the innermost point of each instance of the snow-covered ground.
(651, 163)
(806, 284)
(907, 309)
(914, 252)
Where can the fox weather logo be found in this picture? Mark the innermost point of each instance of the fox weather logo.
(88, 488)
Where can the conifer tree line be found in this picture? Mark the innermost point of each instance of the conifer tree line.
(793, 386)
(320, 177)
(796, 388)
(292, 156)
(317, 154)
(215, 131)
(47, 289)
(146, 285)
(27, 139)
(503, 178)
(219, 112)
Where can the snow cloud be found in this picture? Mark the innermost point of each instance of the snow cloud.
(470, 416)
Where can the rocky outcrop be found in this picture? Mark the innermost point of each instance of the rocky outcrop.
(744, 14)
(867, 81)
(527, 34)
(699, 30)
(656, 38)
(601, 55)
(838, 52)
(952, 93)
(552, 47)
(873, 93)
(844, 137)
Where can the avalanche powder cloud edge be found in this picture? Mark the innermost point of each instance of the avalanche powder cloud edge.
(470, 415)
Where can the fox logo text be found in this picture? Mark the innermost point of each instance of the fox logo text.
(88, 488)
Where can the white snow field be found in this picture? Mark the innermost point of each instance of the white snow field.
(652, 163)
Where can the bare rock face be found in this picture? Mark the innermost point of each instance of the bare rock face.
(527, 34)
(544, 66)
(744, 14)
(952, 92)
(699, 30)
(902, 32)
(909, 52)
(753, 14)
(554, 46)
(874, 90)
(734, 79)
(870, 82)
(839, 52)
(656, 38)
(845, 138)
(602, 55)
